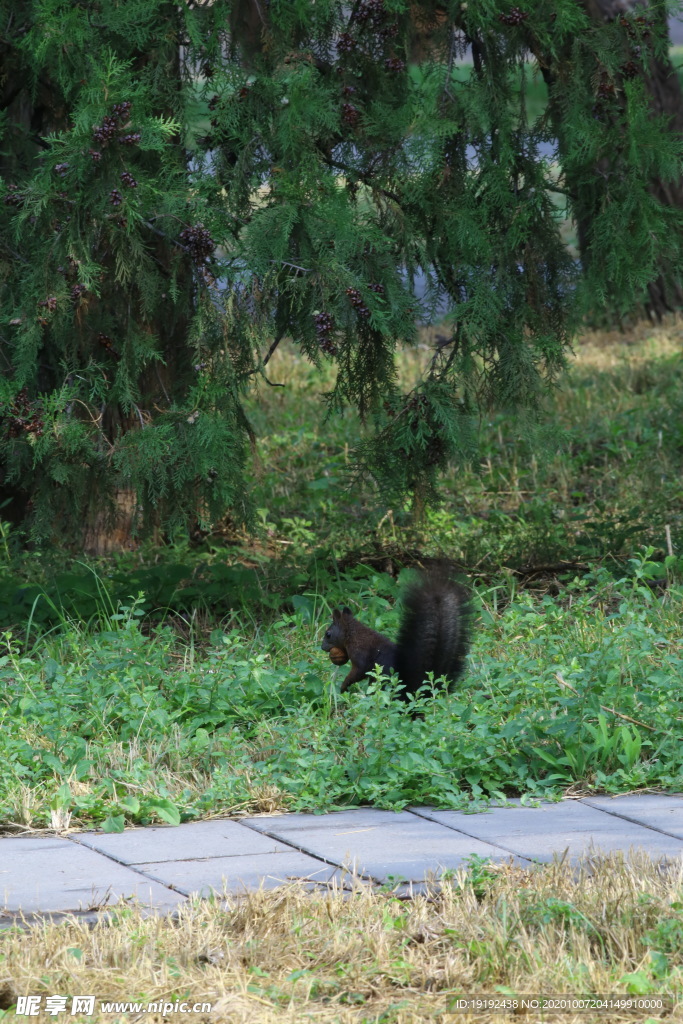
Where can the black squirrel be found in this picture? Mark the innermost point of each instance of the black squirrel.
(433, 635)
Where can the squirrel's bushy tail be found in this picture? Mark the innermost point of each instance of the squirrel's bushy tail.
(435, 629)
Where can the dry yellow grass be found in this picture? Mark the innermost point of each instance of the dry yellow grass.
(603, 352)
(290, 955)
(606, 350)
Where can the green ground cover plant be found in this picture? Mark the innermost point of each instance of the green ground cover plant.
(179, 684)
(114, 725)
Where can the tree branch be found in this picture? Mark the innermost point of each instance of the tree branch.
(365, 178)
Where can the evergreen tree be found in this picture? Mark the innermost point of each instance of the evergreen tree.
(119, 396)
(625, 54)
(147, 272)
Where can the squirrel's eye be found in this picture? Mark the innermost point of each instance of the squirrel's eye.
(327, 634)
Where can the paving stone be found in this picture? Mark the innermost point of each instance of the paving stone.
(25, 920)
(543, 832)
(652, 809)
(235, 874)
(580, 844)
(54, 874)
(382, 844)
(518, 819)
(196, 840)
(361, 817)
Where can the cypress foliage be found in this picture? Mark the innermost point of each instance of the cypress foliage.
(147, 269)
(117, 381)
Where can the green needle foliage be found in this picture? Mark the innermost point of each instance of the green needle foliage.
(183, 186)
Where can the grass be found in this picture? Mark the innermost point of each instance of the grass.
(112, 713)
(613, 928)
(116, 725)
(598, 477)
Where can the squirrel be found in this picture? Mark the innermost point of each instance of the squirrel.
(433, 635)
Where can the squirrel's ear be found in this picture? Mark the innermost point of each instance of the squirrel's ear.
(336, 615)
(347, 611)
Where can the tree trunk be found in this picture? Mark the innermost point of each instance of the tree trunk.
(110, 530)
(108, 516)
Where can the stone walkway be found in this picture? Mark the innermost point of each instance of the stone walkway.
(86, 872)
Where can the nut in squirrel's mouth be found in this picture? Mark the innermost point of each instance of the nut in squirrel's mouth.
(338, 656)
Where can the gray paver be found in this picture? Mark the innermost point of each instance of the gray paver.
(238, 873)
(381, 844)
(518, 819)
(652, 809)
(160, 866)
(551, 829)
(194, 841)
(544, 847)
(39, 874)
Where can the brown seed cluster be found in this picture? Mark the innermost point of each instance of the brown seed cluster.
(605, 86)
(346, 43)
(112, 124)
(324, 325)
(356, 300)
(515, 16)
(372, 11)
(350, 115)
(111, 128)
(25, 416)
(638, 31)
(12, 198)
(638, 27)
(366, 39)
(198, 242)
(105, 341)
